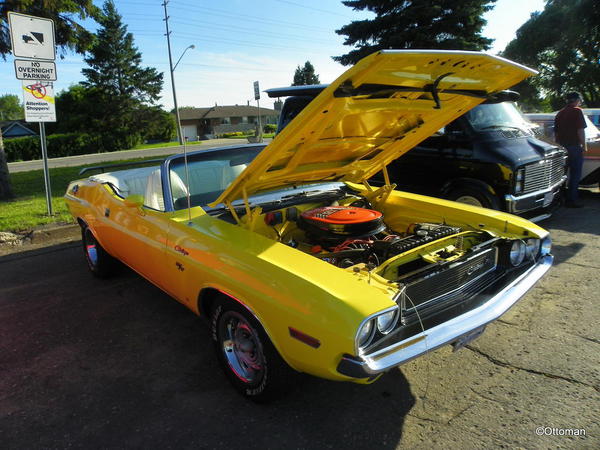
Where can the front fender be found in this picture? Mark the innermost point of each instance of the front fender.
(285, 288)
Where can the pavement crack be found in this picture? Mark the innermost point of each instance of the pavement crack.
(511, 324)
(491, 399)
(587, 266)
(462, 411)
(505, 322)
(532, 371)
(595, 341)
(426, 419)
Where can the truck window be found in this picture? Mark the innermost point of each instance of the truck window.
(497, 115)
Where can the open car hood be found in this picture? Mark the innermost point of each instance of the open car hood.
(374, 112)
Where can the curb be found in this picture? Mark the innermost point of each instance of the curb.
(39, 238)
(55, 232)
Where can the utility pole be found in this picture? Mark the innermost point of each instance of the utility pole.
(168, 34)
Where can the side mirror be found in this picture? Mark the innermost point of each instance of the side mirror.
(134, 201)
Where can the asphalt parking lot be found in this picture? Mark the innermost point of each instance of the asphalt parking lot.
(86, 363)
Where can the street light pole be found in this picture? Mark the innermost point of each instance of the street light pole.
(172, 69)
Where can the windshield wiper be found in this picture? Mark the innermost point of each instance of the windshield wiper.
(510, 127)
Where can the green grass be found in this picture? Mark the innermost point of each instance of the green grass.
(28, 210)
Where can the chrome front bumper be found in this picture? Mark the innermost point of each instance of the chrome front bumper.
(447, 332)
(516, 204)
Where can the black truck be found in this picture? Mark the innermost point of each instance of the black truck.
(488, 157)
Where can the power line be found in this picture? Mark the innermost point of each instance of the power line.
(266, 45)
(300, 5)
(258, 19)
(253, 31)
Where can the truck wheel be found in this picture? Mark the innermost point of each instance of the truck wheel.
(100, 263)
(474, 196)
(247, 355)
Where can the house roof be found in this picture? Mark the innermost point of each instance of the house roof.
(16, 128)
(217, 112)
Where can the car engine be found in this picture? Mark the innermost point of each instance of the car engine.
(348, 235)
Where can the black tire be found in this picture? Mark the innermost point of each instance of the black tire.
(100, 263)
(475, 196)
(246, 354)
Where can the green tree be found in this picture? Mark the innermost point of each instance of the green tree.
(10, 107)
(79, 112)
(305, 75)
(121, 85)
(415, 24)
(70, 35)
(562, 43)
(115, 63)
(156, 124)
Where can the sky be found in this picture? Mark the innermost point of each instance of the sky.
(238, 42)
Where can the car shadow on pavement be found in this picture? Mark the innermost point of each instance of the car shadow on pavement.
(578, 220)
(117, 363)
(574, 229)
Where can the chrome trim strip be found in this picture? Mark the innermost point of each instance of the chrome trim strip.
(450, 331)
(511, 200)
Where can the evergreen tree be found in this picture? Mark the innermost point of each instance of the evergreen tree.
(115, 63)
(69, 34)
(305, 75)
(121, 86)
(415, 24)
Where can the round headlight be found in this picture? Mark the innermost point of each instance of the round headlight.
(387, 321)
(517, 253)
(532, 247)
(366, 333)
(546, 246)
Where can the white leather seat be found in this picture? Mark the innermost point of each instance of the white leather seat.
(153, 197)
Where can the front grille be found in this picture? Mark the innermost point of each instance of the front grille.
(457, 281)
(543, 174)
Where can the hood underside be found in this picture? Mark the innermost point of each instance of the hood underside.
(379, 109)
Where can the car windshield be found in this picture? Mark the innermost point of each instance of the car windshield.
(497, 115)
(209, 173)
(591, 131)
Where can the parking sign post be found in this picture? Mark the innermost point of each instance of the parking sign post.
(257, 98)
(46, 171)
(33, 38)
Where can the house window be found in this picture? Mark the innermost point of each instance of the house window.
(244, 119)
(225, 120)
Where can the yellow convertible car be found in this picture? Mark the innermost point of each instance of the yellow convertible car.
(297, 262)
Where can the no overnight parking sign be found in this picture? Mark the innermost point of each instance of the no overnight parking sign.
(38, 101)
(35, 70)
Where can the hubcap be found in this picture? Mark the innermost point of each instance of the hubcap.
(91, 250)
(242, 347)
(468, 200)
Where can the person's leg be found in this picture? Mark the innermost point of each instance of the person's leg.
(575, 163)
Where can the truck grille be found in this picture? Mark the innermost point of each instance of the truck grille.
(452, 283)
(543, 174)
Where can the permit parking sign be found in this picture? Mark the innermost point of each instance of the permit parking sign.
(31, 37)
(38, 101)
(35, 70)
